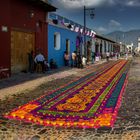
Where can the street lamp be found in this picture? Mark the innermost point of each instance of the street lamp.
(91, 10)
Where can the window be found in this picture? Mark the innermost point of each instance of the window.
(57, 41)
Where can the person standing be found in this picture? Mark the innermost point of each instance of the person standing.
(93, 57)
(79, 60)
(39, 60)
(84, 60)
(74, 59)
(107, 56)
(31, 62)
(66, 58)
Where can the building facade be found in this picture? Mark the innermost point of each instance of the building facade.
(66, 35)
(23, 28)
(103, 45)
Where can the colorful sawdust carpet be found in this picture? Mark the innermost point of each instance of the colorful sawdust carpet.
(90, 102)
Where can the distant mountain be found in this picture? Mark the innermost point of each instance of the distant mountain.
(125, 37)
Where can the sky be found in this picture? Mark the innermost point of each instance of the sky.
(109, 15)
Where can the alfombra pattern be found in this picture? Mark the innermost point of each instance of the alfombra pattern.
(90, 102)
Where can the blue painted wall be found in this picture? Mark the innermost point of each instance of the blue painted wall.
(57, 55)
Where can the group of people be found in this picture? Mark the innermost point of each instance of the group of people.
(39, 63)
(75, 60)
(116, 55)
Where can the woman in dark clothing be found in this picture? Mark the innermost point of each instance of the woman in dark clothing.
(31, 62)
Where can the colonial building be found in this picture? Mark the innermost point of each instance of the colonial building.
(66, 35)
(23, 28)
(103, 45)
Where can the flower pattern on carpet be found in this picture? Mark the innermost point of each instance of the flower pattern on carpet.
(89, 102)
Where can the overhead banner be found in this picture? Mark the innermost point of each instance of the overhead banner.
(72, 25)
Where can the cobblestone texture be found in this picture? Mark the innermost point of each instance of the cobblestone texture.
(127, 126)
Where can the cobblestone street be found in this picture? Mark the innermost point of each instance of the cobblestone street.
(16, 92)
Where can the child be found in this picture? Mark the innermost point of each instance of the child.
(46, 65)
(84, 60)
(53, 64)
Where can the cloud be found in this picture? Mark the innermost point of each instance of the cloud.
(81, 3)
(96, 3)
(133, 3)
(101, 30)
(127, 3)
(114, 23)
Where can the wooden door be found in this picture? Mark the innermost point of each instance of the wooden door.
(68, 46)
(21, 44)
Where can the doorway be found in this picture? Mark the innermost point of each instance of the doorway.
(21, 44)
(68, 46)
